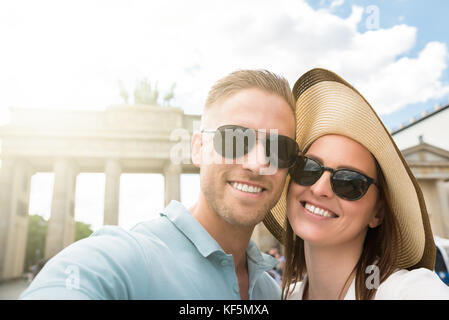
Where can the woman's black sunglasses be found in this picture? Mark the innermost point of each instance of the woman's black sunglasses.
(346, 183)
(233, 142)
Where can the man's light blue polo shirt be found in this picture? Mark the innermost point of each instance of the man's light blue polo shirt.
(169, 257)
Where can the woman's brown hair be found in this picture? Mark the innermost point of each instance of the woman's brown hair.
(378, 250)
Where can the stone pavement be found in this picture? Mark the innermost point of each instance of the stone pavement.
(11, 290)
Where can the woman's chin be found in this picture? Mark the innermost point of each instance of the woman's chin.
(312, 236)
(316, 240)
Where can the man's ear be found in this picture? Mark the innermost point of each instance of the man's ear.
(196, 147)
(378, 217)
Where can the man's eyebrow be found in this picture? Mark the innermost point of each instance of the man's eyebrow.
(316, 158)
(266, 131)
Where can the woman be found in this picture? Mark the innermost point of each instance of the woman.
(352, 216)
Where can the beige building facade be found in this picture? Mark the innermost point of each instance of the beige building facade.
(424, 142)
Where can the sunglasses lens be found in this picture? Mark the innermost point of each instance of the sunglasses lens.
(306, 171)
(234, 142)
(284, 152)
(349, 185)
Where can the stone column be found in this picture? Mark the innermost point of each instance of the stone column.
(112, 192)
(6, 205)
(172, 175)
(15, 178)
(61, 226)
(443, 193)
(432, 198)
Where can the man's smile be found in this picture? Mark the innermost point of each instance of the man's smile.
(247, 188)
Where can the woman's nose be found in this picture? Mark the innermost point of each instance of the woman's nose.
(322, 188)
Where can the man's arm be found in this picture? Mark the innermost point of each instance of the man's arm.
(107, 265)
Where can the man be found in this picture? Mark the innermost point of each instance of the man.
(204, 252)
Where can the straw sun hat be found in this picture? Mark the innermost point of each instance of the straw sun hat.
(327, 104)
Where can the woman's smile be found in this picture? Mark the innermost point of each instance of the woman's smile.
(317, 210)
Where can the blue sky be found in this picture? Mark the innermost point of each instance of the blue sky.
(429, 17)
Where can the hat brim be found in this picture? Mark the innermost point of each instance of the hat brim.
(327, 104)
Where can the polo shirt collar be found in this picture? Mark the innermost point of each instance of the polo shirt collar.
(203, 241)
(266, 261)
(191, 228)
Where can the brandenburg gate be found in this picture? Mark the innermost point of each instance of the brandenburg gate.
(121, 139)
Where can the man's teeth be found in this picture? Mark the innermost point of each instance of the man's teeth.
(319, 211)
(246, 188)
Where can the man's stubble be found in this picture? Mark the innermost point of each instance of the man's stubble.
(213, 192)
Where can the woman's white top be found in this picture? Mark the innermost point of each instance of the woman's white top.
(418, 284)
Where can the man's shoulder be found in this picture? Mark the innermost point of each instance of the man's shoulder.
(117, 239)
(107, 241)
(142, 240)
(112, 263)
(154, 227)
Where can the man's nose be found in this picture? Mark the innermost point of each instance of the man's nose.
(256, 158)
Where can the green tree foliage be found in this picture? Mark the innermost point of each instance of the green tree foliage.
(37, 229)
(82, 230)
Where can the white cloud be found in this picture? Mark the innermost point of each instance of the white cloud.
(336, 3)
(409, 80)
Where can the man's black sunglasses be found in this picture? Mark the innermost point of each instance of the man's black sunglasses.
(234, 142)
(346, 183)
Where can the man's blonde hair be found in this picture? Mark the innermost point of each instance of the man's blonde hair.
(249, 79)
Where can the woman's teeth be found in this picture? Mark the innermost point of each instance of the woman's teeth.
(246, 188)
(319, 211)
